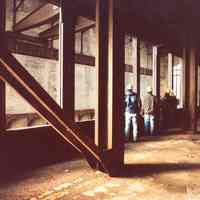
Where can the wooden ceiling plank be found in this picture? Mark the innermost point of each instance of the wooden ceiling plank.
(42, 15)
(53, 32)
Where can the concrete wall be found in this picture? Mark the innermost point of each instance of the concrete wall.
(146, 61)
(47, 72)
(164, 85)
(27, 7)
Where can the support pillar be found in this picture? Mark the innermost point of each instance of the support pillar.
(156, 72)
(116, 80)
(14, 13)
(192, 89)
(101, 74)
(170, 70)
(67, 59)
(156, 83)
(185, 86)
(2, 49)
(138, 66)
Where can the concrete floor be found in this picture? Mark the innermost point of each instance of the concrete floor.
(160, 168)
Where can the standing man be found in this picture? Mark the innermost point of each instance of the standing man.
(165, 110)
(132, 109)
(149, 110)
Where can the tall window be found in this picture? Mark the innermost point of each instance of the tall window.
(146, 72)
(177, 80)
(164, 79)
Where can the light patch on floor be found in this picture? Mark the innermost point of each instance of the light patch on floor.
(63, 186)
(137, 187)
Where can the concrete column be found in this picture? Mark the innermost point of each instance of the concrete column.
(137, 57)
(156, 72)
(67, 59)
(101, 133)
(156, 83)
(2, 49)
(116, 80)
(192, 89)
(170, 70)
(185, 77)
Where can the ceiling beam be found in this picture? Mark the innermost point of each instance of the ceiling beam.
(33, 46)
(22, 37)
(40, 16)
(53, 32)
(19, 5)
(55, 2)
(84, 24)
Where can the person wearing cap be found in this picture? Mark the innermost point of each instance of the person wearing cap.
(149, 111)
(164, 108)
(132, 109)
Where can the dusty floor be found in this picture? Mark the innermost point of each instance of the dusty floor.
(165, 168)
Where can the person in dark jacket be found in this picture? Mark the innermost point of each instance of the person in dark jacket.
(169, 106)
(165, 110)
(132, 109)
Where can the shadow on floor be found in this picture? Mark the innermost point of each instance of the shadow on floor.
(168, 135)
(143, 170)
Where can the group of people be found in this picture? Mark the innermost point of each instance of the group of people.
(147, 109)
(134, 107)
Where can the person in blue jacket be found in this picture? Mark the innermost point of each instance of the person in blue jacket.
(132, 109)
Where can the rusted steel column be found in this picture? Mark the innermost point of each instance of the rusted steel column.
(116, 83)
(192, 89)
(67, 38)
(101, 117)
(2, 50)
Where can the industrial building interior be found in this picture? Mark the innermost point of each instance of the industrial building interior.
(64, 69)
